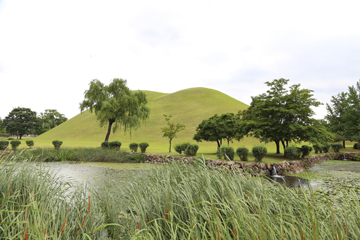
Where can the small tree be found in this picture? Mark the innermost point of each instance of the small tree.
(15, 144)
(57, 144)
(243, 153)
(143, 146)
(30, 143)
(133, 147)
(171, 130)
(259, 152)
(4, 145)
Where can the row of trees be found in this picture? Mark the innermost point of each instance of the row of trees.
(21, 121)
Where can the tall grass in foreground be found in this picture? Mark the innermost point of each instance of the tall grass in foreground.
(34, 204)
(181, 201)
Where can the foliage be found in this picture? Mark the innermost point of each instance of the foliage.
(172, 129)
(292, 152)
(283, 116)
(259, 152)
(2, 127)
(227, 152)
(105, 145)
(318, 148)
(305, 150)
(115, 145)
(15, 144)
(48, 120)
(325, 148)
(356, 145)
(242, 152)
(143, 146)
(191, 149)
(336, 147)
(57, 144)
(217, 128)
(184, 145)
(4, 145)
(178, 148)
(29, 143)
(20, 121)
(116, 104)
(133, 147)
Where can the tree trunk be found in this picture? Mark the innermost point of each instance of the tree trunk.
(344, 144)
(283, 143)
(228, 140)
(287, 143)
(109, 130)
(170, 145)
(277, 147)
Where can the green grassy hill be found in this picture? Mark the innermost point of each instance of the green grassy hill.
(189, 107)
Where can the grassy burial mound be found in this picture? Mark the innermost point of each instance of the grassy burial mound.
(189, 107)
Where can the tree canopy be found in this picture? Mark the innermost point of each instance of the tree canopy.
(343, 114)
(281, 116)
(20, 121)
(172, 129)
(116, 105)
(217, 128)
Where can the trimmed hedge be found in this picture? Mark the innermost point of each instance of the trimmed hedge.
(105, 145)
(305, 150)
(336, 147)
(325, 148)
(4, 145)
(317, 148)
(259, 152)
(15, 144)
(178, 148)
(133, 147)
(30, 143)
(57, 144)
(356, 145)
(191, 149)
(292, 152)
(115, 145)
(143, 146)
(242, 152)
(227, 152)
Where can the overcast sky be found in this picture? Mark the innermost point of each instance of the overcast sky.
(51, 50)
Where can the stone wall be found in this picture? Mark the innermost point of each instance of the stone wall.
(256, 169)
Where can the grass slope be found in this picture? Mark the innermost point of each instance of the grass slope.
(189, 107)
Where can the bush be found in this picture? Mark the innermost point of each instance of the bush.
(336, 147)
(325, 148)
(30, 143)
(57, 144)
(242, 152)
(184, 146)
(105, 145)
(133, 147)
(10, 139)
(305, 150)
(15, 144)
(178, 148)
(4, 145)
(191, 149)
(143, 146)
(292, 152)
(317, 148)
(227, 152)
(259, 152)
(115, 145)
(356, 145)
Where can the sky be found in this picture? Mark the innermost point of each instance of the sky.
(51, 50)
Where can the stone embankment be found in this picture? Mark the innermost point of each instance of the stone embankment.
(256, 169)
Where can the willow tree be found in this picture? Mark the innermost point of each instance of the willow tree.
(115, 105)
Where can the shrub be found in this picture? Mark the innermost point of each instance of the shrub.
(30, 143)
(356, 145)
(305, 150)
(292, 152)
(317, 149)
(336, 147)
(143, 146)
(105, 145)
(133, 147)
(184, 146)
(4, 145)
(325, 148)
(10, 139)
(227, 152)
(57, 144)
(115, 145)
(15, 144)
(242, 152)
(259, 152)
(191, 149)
(178, 148)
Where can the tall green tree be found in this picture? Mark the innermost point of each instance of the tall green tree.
(20, 121)
(172, 129)
(115, 105)
(2, 128)
(51, 118)
(217, 128)
(281, 115)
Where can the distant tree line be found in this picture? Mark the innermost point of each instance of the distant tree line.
(22, 121)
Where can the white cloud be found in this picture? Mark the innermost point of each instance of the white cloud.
(49, 51)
